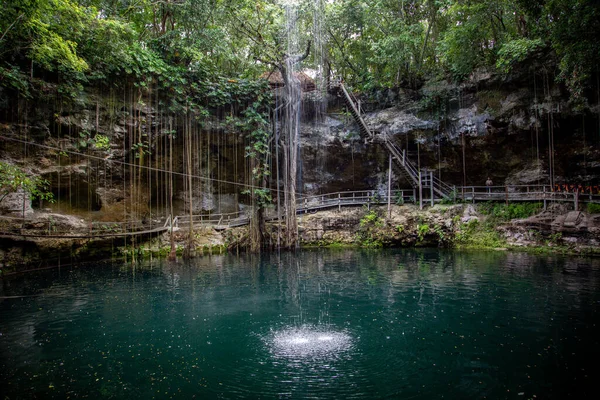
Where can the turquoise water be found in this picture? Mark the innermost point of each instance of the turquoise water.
(317, 324)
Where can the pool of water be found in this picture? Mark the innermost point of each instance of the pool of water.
(316, 324)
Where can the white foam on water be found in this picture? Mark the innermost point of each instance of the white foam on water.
(308, 341)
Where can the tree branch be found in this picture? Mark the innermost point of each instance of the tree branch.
(10, 26)
(297, 59)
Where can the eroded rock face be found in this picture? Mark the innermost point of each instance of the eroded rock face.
(395, 121)
(51, 222)
(408, 226)
(555, 226)
(16, 204)
(533, 172)
(469, 214)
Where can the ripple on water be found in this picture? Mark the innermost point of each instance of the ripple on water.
(309, 342)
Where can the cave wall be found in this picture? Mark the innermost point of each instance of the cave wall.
(499, 127)
(87, 175)
(502, 126)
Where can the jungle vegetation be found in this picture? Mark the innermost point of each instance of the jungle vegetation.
(65, 45)
(195, 59)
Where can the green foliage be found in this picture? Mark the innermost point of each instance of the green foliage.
(451, 198)
(371, 218)
(13, 178)
(369, 234)
(439, 231)
(140, 149)
(177, 47)
(516, 51)
(593, 208)
(475, 32)
(476, 235)
(398, 198)
(422, 230)
(101, 142)
(13, 78)
(555, 239)
(503, 212)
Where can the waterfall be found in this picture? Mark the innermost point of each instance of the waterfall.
(291, 124)
(292, 97)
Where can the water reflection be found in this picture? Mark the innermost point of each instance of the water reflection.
(319, 324)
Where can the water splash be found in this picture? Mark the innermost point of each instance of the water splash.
(309, 341)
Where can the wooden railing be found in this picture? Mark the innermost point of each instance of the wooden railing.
(418, 178)
(510, 193)
(312, 203)
(94, 229)
(304, 204)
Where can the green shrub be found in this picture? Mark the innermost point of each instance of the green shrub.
(422, 230)
(440, 232)
(504, 212)
(371, 218)
(101, 142)
(476, 235)
(368, 234)
(593, 208)
(13, 178)
(399, 199)
(451, 198)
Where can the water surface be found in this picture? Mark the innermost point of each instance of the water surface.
(317, 324)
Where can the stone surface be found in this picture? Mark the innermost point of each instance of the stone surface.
(532, 173)
(469, 214)
(16, 204)
(395, 121)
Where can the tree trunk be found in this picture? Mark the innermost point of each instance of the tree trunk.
(257, 228)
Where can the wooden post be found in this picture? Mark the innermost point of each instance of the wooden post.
(403, 157)
(473, 194)
(414, 196)
(420, 191)
(390, 188)
(506, 193)
(431, 186)
(576, 199)
(339, 202)
(544, 191)
(454, 193)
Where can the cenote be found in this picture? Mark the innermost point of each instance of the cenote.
(314, 324)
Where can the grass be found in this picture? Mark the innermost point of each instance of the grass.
(593, 208)
(501, 212)
(478, 235)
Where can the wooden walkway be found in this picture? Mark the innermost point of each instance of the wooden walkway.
(425, 188)
(422, 180)
(467, 194)
(431, 189)
(311, 204)
(97, 230)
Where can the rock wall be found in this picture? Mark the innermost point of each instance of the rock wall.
(491, 126)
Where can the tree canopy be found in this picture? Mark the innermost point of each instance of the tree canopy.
(371, 43)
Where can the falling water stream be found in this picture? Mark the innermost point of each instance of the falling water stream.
(315, 324)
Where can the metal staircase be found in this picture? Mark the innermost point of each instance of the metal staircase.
(418, 179)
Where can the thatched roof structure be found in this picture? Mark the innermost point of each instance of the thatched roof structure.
(276, 80)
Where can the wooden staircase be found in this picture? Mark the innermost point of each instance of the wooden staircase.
(417, 178)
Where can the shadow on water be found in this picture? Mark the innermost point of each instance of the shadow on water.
(319, 323)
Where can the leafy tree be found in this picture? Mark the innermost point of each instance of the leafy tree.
(13, 178)
(571, 29)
